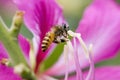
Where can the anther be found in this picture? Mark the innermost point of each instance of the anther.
(4, 61)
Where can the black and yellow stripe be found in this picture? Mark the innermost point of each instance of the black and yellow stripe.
(48, 39)
(57, 34)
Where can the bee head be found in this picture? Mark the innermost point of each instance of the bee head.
(65, 27)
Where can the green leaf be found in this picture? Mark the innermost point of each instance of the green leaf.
(53, 58)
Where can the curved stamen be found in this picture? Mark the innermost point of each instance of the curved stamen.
(78, 36)
(79, 75)
(66, 61)
(90, 75)
(68, 48)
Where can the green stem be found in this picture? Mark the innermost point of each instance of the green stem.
(13, 49)
(16, 24)
(9, 38)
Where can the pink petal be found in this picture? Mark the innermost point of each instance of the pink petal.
(105, 73)
(6, 73)
(100, 25)
(3, 53)
(40, 16)
(108, 73)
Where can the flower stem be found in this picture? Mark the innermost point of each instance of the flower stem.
(16, 24)
(13, 49)
(9, 39)
(24, 72)
(10, 42)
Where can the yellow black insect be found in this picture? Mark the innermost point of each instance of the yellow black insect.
(57, 34)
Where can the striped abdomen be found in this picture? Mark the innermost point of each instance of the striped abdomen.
(48, 39)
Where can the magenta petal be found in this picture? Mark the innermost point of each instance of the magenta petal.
(40, 15)
(6, 73)
(3, 52)
(108, 73)
(105, 73)
(51, 14)
(100, 26)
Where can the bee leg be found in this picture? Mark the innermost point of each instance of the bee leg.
(55, 41)
(63, 40)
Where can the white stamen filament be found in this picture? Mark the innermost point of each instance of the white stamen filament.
(66, 61)
(83, 46)
(90, 48)
(73, 34)
(78, 35)
(90, 75)
(32, 57)
(68, 48)
(79, 75)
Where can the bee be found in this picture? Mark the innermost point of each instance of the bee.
(57, 34)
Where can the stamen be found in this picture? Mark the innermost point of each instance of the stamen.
(79, 75)
(32, 57)
(91, 74)
(78, 35)
(90, 48)
(83, 46)
(88, 53)
(68, 48)
(73, 34)
(66, 61)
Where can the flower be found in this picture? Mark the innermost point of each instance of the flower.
(98, 26)
(41, 15)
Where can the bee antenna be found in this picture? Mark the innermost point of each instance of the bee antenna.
(64, 25)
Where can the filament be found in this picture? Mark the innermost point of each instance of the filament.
(69, 48)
